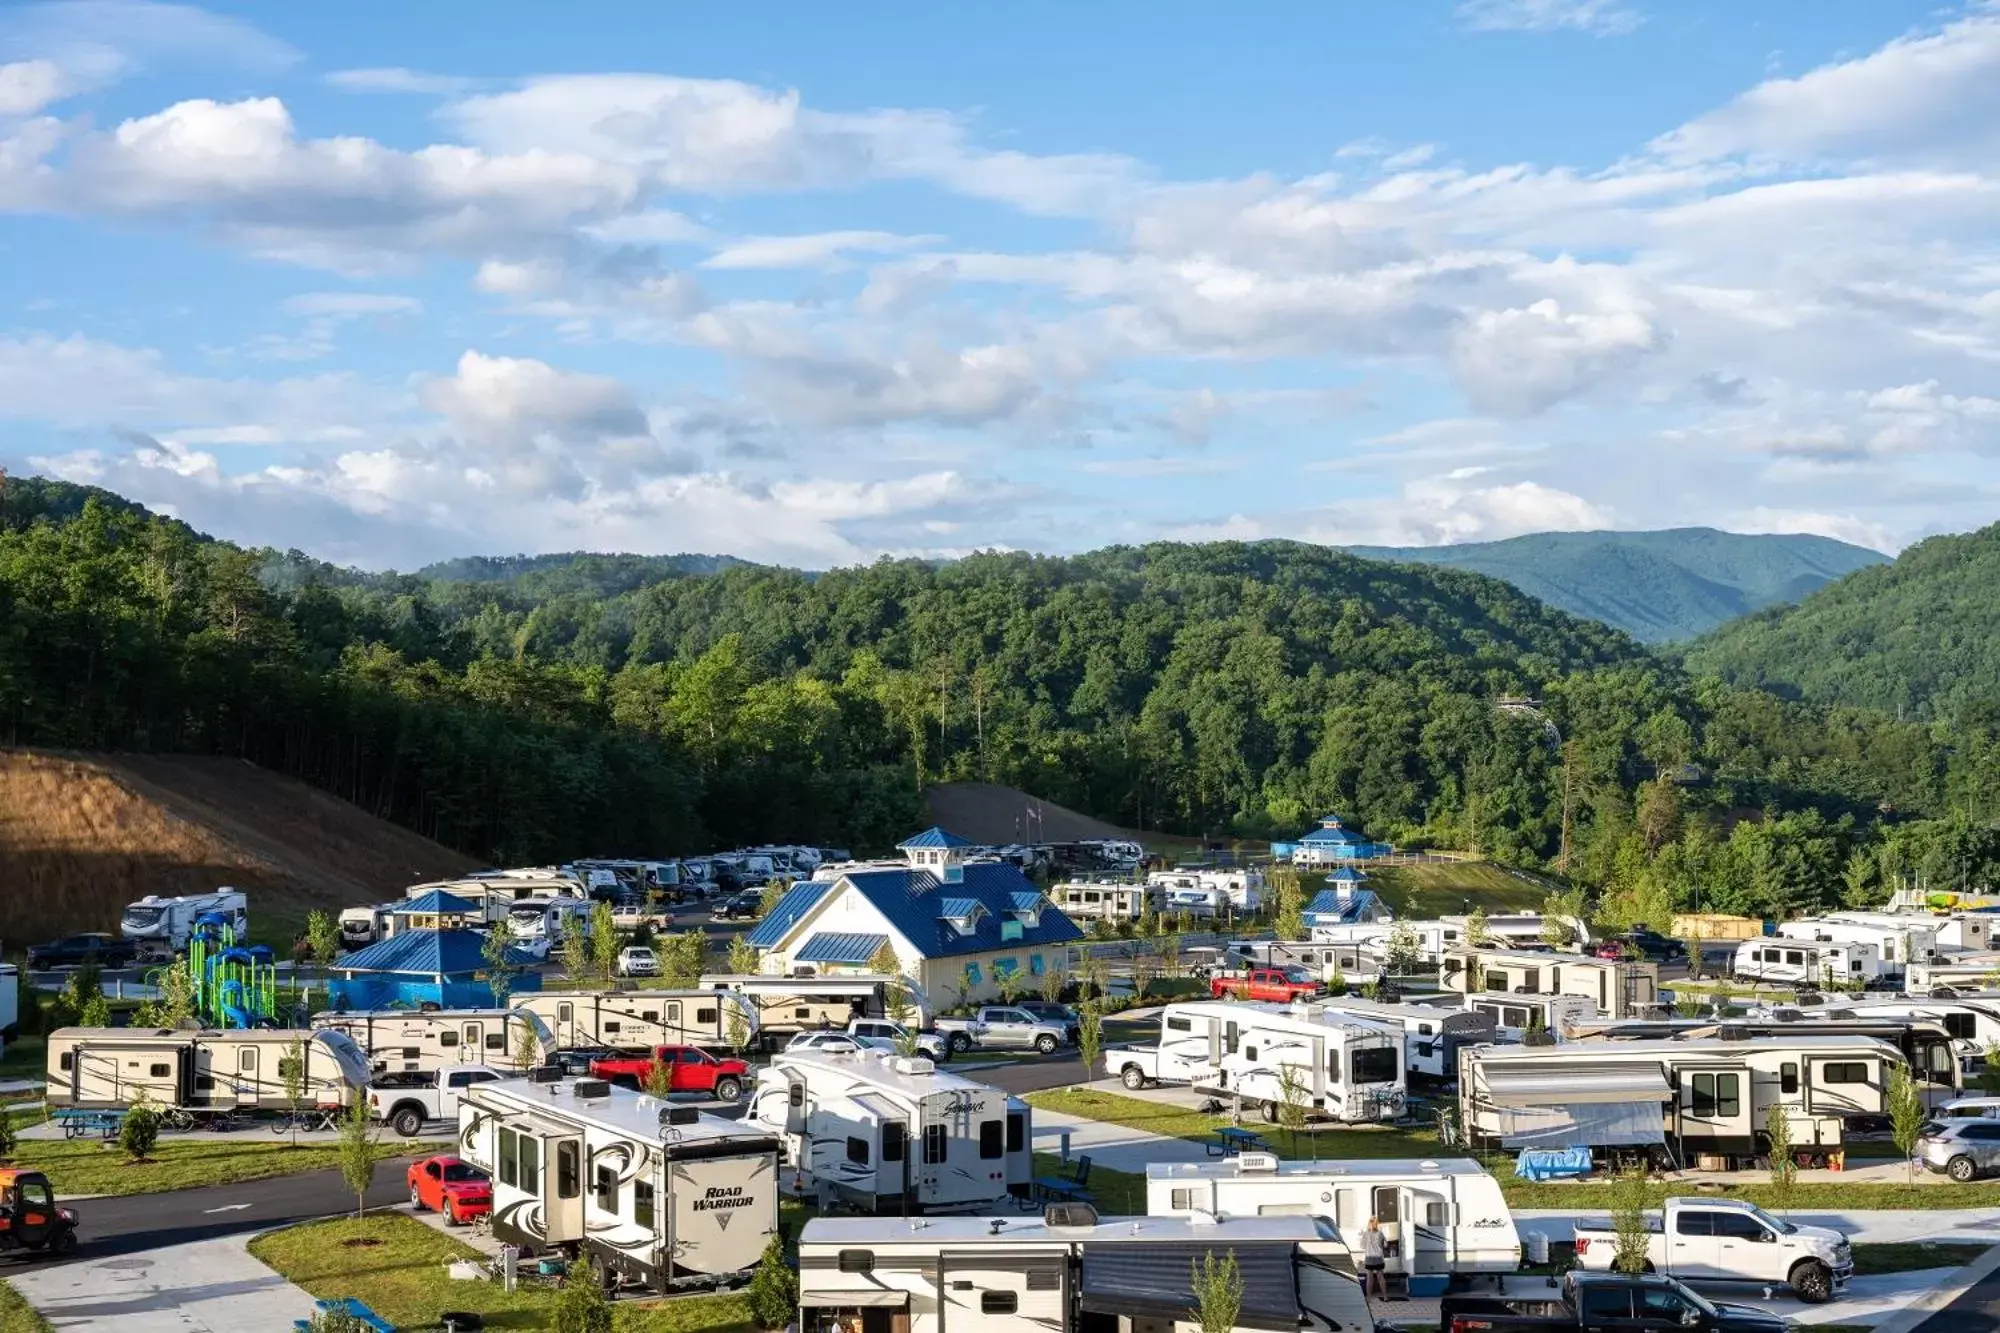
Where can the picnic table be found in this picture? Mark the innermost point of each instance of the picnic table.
(349, 1306)
(1233, 1141)
(77, 1123)
(1065, 1189)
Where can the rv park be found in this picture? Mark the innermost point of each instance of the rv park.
(784, 1085)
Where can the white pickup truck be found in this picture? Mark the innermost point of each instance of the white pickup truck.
(1144, 1066)
(410, 1101)
(1727, 1240)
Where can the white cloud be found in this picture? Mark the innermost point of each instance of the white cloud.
(26, 86)
(352, 305)
(1454, 507)
(812, 250)
(1840, 527)
(1604, 17)
(395, 79)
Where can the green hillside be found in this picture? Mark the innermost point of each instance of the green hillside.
(1919, 638)
(1658, 587)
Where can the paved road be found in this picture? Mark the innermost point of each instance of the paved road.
(1976, 1311)
(128, 1224)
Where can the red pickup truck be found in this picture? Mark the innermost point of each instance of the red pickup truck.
(1283, 984)
(689, 1069)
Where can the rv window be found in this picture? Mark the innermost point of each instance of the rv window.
(1386, 1204)
(1424, 1029)
(564, 1013)
(1435, 1214)
(857, 1151)
(1180, 1025)
(1375, 1065)
(1046, 1279)
(1727, 1100)
(203, 1083)
(529, 1151)
(704, 1016)
(496, 1041)
(1183, 1200)
(1788, 1077)
(446, 1037)
(674, 1014)
(999, 1302)
(159, 1071)
(1795, 957)
(508, 1139)
(893, 1134)
(247, 1058)
(1249, 1052)
(642, 1203)
(607, 1189)
(857, 1261)
(69, 1059)
(613, 1025)
(1704, 1096)
(412, 1053)
(992, 1139)
(569, 1169)
(1942, 1063)
(472, 1034)
(933, 1144)
(1854, 1072)
(1017, 1132)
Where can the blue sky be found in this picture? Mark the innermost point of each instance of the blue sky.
(394, 282)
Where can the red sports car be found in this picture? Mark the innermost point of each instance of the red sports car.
(457, 1189)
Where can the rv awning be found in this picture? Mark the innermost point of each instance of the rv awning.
(1598, 1124)
(866, 1297)
(1572, 1087)
(1157, 1282)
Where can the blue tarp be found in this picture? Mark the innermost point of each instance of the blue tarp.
(1552, 1163)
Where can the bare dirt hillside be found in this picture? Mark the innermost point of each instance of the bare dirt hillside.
(82, 835)
(990, 813)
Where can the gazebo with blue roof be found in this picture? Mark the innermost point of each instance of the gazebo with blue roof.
(1333, 842)
(419, 966)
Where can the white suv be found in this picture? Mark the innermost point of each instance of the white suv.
(637, 960)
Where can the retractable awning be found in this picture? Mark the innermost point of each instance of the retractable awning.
(1156, 1281)
(1551, 1086)
(1596, 1124)
(861, 1298)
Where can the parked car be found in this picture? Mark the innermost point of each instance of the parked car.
(1000, 1026)
(29, 1217)
(689, 1069)
(1730, 1240)
(1616, 950)
(1652, 944)
(636, 960)
(871, 1034)
(407, 1102)
(739, 906)
(1607, 1303)
(1049, 1012)
(78, 950)
(1962, 1149)
(1279, 984)
(458, 1190)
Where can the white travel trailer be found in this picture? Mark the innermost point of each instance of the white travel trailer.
(1242, 889)
(1350, 1071)
(1515, 1016)
(540, 923)
(1203, 902)
(1068, 1270)
(1809, 962)
(1431, 1036)
(1620, 989)
(1448, 1214)
(893, 1132)
(1899, 939)
(1355, 958)
(204, 1072)
(1964, 930)
(1084, 900)
(664, 1196)
(161, 927)
(787, 1006)
(639, 1020)
(1952, 973)
(1687, 1097)
(408, 1041)
(362, 926)
(1515, 930)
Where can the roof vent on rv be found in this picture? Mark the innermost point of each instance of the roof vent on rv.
(1069, 1215)
(1732, 1032)
(592, 1089)
(680, 1115)
(545, 1074)
(1256, 1163)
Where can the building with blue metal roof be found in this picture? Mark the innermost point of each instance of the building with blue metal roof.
(953, 925)
(1335, 843)
(417, 967)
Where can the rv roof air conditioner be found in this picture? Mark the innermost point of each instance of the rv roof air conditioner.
(1732, 1032)
(546, 1074)
(1256, 1163)
(592, 1089)
(912, 1064)
(1069, 1215)
(680, 1115)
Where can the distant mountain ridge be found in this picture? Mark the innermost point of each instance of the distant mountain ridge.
(1659, 587)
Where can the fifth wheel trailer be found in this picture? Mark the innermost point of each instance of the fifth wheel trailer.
(409, 1041)
(664, 1196)
(639, 1020)
(241, 1069)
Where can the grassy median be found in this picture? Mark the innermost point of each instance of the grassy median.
(16, 1315)
(1330, 1143)
(78, 1167)
(395, 1265)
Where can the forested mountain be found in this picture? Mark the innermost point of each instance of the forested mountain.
(1658, 587)
(1221, 688)
(537, 576)
(1919, 638)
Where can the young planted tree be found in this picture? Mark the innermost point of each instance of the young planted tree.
(773, 1293)
(658, 1079)
(1054, 977)
(963, 987)
(1007, 981)
(574, 950)
(683, 958)
(1784, 1170)
(322, 938)
(1095, 975)
(1090, 1039)
(526, 1049)
(497, 963)
(1292, 1094)
(1477, 933)
(1405, 950)
(1288, 904)
(1142, 968)
(774, 893)
(605, 942)
(1337, 983)
(357, 1149)
(1989, 1070)
(1170, 955)
(581, 1306)
(1628, 1220)
(292, 1073)
(1906, 1116)
(139, 1130)
(96, 1012)
(1217, 1284)
(743, 959)
(9, 1140)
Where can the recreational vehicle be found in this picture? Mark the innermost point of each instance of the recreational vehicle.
(787, 1006)
(1620, 989)
(1363, 954)
(1350, 1071)
(1950, 972)
(241, 1069)
(362, 926)
(1899, 939)
(1687, 1097)
(1242, 888)
(1516, 930)
(1972, 1021)
(1431, 1036)
(1964, 930)
(161, 927)
(1448, 1214)
(891, 1132)
(1926, 1047)
(639, 1020)
(541, 923)
(1202, 902)
(664, 1196)
(1068, 1270)
(1516, 1016)
(1085, 901)
(409, 1041)
(1810, 963)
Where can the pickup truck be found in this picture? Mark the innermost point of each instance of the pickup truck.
(689, 1070)
(409, 1101)
(1282, 984)
(1144, 1066)
(1001, 1026)
(865, 1034)
(1606, 1303)
(1728, 1240)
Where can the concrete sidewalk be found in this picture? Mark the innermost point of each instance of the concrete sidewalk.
(1867, 1300)
(208, 1286)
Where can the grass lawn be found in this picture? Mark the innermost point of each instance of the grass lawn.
(16, 1315)
(1332, 1142)
(1592, 1196)
(87, 1166)
(1440, 888)
(23, 1059)
(1117, 1193)
(402, 1278)
(1911, 1256)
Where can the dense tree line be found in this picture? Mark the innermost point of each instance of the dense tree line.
(559, 707)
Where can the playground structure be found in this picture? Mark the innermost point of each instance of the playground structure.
(235, 986)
